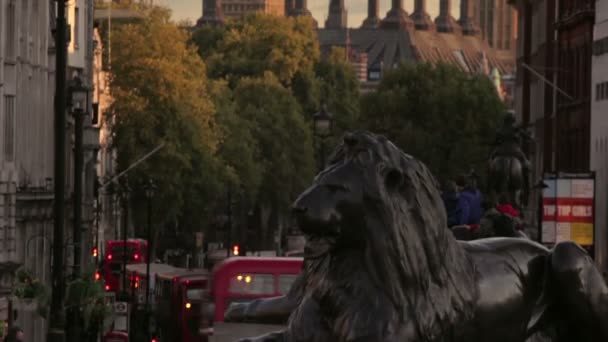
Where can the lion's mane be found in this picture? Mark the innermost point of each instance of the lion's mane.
(411, 259)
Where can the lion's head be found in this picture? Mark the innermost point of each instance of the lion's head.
(381, 206)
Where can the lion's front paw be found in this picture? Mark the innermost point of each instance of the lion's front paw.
(235, 312)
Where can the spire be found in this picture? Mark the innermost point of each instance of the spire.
(289, 6)
(213, 13)
(445, 22)
(373, 19)
(301, 9)
(337, 15)
(396, 17)
(422, 20)
(466, 21)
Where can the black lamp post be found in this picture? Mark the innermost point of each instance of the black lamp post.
(124, 191)
(149, 189)
(56, 318)
(322, 126)
(79, 95)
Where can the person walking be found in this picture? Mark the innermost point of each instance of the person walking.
(456, 207)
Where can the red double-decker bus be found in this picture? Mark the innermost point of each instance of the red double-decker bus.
(243, 279)
(115, 257)
(180, 297)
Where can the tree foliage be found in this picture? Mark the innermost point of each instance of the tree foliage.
(437, 113)
(161, 95)
(259, 43)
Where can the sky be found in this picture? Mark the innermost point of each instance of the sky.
(357, 10)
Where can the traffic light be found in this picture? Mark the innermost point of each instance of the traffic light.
(95, 252)
(235, 250)
(97, 275)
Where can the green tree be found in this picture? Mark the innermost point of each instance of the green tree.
(259, 43)
(283, 140)
(437, 113)
(339, 90)
(161, 95)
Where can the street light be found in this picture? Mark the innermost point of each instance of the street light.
(149, 189)
(79, 96)
(322, 126)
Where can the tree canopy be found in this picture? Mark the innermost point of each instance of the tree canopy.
(439, 114)
(161, 95)
(259, 43)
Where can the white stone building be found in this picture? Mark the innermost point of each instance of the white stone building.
(27, 88)
(599, 123)
(27, 78)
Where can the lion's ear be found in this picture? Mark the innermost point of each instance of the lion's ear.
(393, 179)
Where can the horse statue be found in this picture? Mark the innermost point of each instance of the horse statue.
(509, 167)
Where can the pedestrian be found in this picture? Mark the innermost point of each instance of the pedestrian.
(15, 334)
(470, 193)
(456, 207)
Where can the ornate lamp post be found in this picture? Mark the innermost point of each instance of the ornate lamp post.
(79, 95)
(149, 189)
(125, 191)
(322, 126)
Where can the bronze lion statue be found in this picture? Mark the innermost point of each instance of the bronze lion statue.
(380, 265)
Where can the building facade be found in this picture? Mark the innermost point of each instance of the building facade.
(240, 8)
(554, 93)
(599, 123)
(27, 89)
(27, 79)
(498, 23)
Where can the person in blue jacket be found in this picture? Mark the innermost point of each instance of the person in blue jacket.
(456, 206)
(469, 192)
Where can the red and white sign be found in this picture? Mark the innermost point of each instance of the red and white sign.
(568, 211)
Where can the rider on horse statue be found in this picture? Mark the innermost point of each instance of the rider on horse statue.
(513, 179)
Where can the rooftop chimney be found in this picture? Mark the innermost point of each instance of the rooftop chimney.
(396, 17)
(373, 19)
(445, 22)
(422, 20)
(301, 9)
(213, 13)
(337, 15)
(466, 21)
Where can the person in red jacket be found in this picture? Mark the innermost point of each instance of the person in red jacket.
(506, 208)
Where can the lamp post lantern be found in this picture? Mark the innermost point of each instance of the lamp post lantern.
(149, 190)
(322, 127)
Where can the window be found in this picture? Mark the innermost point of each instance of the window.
(285, 282)
(194, 294)
(76, 27)
(10, 31)
(9, 127)
(248, 284)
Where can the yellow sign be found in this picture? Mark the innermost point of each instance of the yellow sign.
(582, 233)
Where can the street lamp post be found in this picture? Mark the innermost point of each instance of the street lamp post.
(125, 227)
(149, 188)
(322, 126)
(56, 331)
(79, 101)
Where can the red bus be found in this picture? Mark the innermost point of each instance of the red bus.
(137, 250)
(179, 298)
(243, 279)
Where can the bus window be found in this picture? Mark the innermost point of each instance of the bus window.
(285, 282)
(194, 294)
(257, 284)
